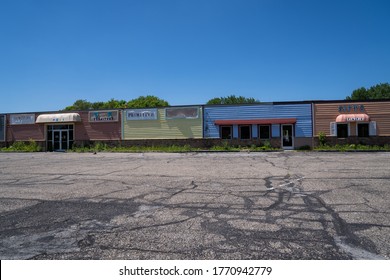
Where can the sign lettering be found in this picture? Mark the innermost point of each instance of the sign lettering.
(351, 108)
(141, 114)
(22, 119)
(103, 116)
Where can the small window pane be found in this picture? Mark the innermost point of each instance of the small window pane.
(264, 131)
(245, 132)
(342, 130)
(363, 130)
(226, 132)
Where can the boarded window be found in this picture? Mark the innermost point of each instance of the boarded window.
(372, 129)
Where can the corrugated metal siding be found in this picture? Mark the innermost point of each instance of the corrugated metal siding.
(97, 130)
(302, 112)
(162, 128)
(377, 111)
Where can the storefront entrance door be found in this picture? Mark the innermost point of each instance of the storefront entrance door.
(287, 136)
(60, 140)
(59, 137)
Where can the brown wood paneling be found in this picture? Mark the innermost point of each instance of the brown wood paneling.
(325, 113)
(97, 130)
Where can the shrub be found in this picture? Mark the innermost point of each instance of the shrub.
(322, 138)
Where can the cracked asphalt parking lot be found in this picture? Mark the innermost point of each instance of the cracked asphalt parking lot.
(280, 205)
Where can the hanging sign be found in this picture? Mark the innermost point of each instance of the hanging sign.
(141, 114)
(103, 116)
(22, 119)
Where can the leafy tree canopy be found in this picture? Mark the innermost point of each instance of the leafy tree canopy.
(140, 102)
(232, 99)
(379, 91)
(148, 101)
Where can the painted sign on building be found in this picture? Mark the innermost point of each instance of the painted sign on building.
(103, 116)
(141, 114)
(351, 108)
(22, 119)
(182, 113)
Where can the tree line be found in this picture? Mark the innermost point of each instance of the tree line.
(379, 91)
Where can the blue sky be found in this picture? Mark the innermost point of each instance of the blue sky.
(53, 52)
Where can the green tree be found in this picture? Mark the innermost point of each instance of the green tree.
(80, 104)
(379, 91)
(232, 99)
(149, 101)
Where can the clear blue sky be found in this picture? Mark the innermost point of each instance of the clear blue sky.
(53, 52)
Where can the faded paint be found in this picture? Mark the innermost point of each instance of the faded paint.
(301, 112)
(94, 130)
(327, 112)
(163, 128)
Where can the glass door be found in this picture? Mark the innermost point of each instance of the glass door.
(64, 140)
(287, 136)
(59, 137)
(56, 140)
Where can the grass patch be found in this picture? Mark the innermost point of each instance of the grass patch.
(224, 147)
(22, 146)
(352, 147)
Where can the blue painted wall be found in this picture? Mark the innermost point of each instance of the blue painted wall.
(302, 112)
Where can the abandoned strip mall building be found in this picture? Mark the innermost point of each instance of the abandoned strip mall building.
(287, 125)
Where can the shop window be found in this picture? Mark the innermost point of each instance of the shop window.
(226, 132)
(264, 132)
(363, 129)
(342, 130)
(245, 132)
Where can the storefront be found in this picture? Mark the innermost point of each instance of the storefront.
(162, 123)
(59, 130)
(352, 122)
(287, 125)
(64, 130)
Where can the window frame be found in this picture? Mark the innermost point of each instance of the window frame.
(240, 132)
(269, 131)
(226, 126)
(337, 130)
(368, 129)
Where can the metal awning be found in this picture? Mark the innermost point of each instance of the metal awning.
(58, 118)
(352, 118)
(256, 121)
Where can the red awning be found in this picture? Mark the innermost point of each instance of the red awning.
(353, 118)
(257, 121)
